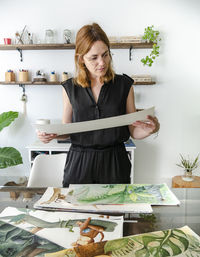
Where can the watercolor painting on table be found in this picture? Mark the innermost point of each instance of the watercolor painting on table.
(71, 229)
(179, 242)
(16, 242)
(158, 194)
(56, 199)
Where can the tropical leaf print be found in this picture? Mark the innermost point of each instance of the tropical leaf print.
(159, 244)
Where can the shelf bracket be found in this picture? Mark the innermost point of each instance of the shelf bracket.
(20, 52)
(23, 88)
(130, 53)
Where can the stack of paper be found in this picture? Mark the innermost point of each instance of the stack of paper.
(57, 199)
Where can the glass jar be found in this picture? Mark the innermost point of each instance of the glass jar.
(188, 176)
(49, 36)
(67, 36)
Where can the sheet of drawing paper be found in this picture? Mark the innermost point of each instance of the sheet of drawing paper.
(61, 227)
(76, 127)
(158, 194)
(50, 201)
(179, 242)
(16, 241)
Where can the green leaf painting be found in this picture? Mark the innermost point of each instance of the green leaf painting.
(182, 242)
(121, 194)
(173, 242)
(15, 242)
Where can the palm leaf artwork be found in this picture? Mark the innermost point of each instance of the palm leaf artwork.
(18, 242)
(9, 156)
(120, 194)
(172, 242)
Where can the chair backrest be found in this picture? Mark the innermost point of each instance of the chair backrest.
(47, 170)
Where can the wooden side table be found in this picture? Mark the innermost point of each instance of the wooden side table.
(178, 182)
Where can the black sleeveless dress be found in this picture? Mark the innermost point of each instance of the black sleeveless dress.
(98, 156)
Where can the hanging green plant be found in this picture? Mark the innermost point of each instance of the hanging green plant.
(9, 156)
(151, 35)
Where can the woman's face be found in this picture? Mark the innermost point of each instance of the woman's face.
(97, 59)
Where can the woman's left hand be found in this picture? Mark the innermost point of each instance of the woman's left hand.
(148, 127)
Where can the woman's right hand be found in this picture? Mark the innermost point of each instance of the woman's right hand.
(46, 138)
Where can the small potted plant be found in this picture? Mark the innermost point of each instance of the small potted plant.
(188, 165)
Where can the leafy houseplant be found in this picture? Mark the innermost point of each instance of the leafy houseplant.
(9, 156)
(188, 165)
(151, 35)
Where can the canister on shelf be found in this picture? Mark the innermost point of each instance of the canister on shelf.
(53, 76)
(9, 76)
(64, 76)
(23, 75)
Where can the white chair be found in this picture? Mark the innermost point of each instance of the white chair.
(47, 170)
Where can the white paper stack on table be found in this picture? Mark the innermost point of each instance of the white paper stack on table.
(55, 199)
(116, 198)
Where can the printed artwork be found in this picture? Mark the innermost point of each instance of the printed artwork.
(180, 242)
(16, 242)
(56, 199)
(71, 229)
(121, 194)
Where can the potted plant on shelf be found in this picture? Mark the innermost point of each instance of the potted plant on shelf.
(188, 165)
(151, 35)
(9, 156)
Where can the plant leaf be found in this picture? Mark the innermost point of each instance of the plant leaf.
(9, 156)
(6, 118)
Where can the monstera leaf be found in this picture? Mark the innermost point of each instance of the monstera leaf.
(6, 118)
(159, 244)
(9, 156)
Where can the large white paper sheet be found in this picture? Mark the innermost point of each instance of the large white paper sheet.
(76, 127)
(47, 202)
(53, 225)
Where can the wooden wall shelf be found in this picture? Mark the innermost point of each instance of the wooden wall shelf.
(59, 83)
(72, 46)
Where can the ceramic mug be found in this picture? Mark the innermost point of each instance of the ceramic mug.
(7, 41)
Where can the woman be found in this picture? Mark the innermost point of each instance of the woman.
(97, 92)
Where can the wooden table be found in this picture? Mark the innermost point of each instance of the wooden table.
(178, 182)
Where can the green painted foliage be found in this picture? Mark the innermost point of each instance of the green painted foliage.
(9, 156)
(160, 244)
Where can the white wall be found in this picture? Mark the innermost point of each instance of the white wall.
(176, 94)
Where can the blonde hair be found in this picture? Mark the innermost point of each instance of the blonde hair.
(85, 38)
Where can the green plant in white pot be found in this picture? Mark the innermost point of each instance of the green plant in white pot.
(188, 165)
(9, 156)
